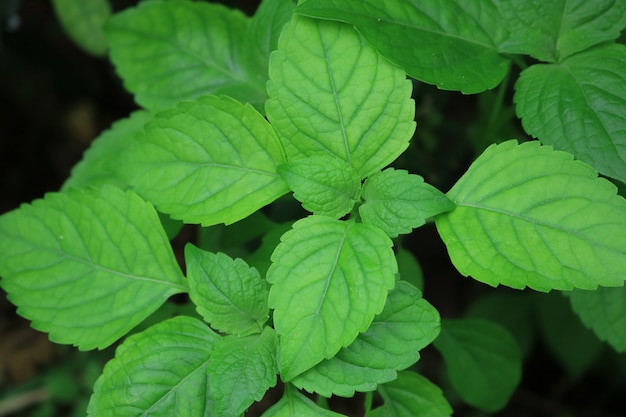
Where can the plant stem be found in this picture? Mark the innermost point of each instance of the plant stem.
(369, 396)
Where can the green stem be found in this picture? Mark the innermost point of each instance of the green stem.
(497, 105)
(369, 396)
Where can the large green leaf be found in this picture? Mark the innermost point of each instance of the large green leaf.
(84, 21)
(553, 30)
(407, 324)
(87, 267)
(579, 106)
(527, 215)
(207, 161)
(159, 372)
(294, 404)
(330, 92)
(451, 44)
(330, 278)
(483, 360)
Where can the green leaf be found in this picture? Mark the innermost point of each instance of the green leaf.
(530, 216)
(325, 185)
(483, 360)
(294, 404)
(101, 163)
(241, 370)
(407, 324)
(409, 268)
(330, 278)
(604, 312)
(168, 51)
(412, 395)
(207, 161)
(159, 372)
(399, 202)
(451, 44)
(228, 294)
(84, 21)
(553, 30)
(330, 93)
(87, 267)
(579, 106)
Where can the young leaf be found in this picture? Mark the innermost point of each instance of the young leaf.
(159, 372)
(407, 324)
(207, 161)
(579, 106)
(409, 268)
(228, 294)
(87, 267)
(530, 216)
(483, 361)
(325, 185)
(330, 278)
(83, 21)
(604, 312)
(451, 44)
(331, 93)
(412, 395)
(294, 404)
(168, 51)
(102, 161)
(398, 202)
(553, 30)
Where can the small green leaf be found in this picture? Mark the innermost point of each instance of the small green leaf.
(330, 278)
(228, 294)
(241, 370)
(84, 21)
(102, 161)
(451, 44)
(579, 106)
(331, 93)
(483, 360)
(399, 202)
(409, 268)
(87, 267)
(294, 404)
(407, 324)
(325, 185)
(604, 312)
(207, 161)
(159, 372)
(412, 395)
(527, 215)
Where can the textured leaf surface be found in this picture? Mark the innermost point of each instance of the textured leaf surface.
(604, 312)
(407, 324)
(412, 395)
(530, 216)
(294, 404)
(229, 295)
(398, 202)
(553, 30)
(84, 21)
(241, 370)
(332, 93)
(579, 106)
(451, 44)
(168, 51)
(87, 267)
(483, 360)
(325, 185)
(159, 372)
(330, 278)
(207, 161)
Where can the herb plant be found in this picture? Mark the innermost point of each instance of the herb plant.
(237, 114)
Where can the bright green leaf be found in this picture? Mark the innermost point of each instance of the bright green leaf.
(399, 202)
(412, 395)
(527, 215)
(451, 44)
(207, 161)
(87, 267)
(483, 360)
(409, 268)
(241, 370)
(84, 21)
(579, 106)
(160, 372)
(407, 324)
(331, 93)
(330, 278)
(228, 294)
(294, 404)
(325, 185)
